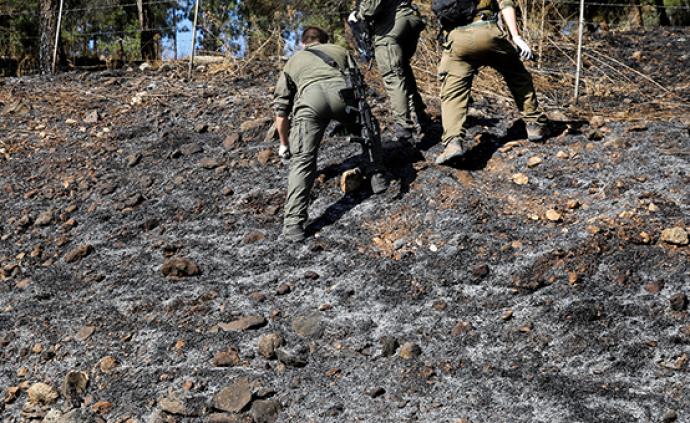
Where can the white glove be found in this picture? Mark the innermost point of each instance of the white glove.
(353, 17)
(284, 152)
(523, 48)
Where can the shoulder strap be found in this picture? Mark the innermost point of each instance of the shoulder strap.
(325, 57)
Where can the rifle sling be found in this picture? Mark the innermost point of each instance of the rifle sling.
(326, 58)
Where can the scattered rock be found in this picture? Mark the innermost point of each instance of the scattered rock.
(78, 253)
(191, 148)
(669, 416)
(44, 218)
(674, 236)
(520, 179)
(226, 358)
(295, 357)
(654, 287)
(102, 407)
(231, 141)
(534, 161)
(597, 121)
(11, 394)
(233, 398)
(251, 125)
(107, 363)
(507, 315)
(480, 271)
(180, 267)
(308, 326)
(210, 163)
(172, 405)
(253, 236)
(244, 323)
(562, 155)
(42, 394)
(265, 411)
(553, 215)
(351, 180)
(389, 346)
(439, 305)
(264, 156)
(679, 301)
(85, 333)
(257, 296)
(23, 284)
(201, 128)
(283, 289)
(133, 159)
(461, 328)
(92, 117)
(268, 344)
(311, 275)
(409, 351)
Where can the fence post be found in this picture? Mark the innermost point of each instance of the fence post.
(57, 37)
(191, 58)
(541, 34)
(579, 50)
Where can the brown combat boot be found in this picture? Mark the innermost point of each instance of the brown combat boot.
(455, 148)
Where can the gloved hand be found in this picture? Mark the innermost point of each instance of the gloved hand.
(523, 48)
(284, 152)
(353, 17)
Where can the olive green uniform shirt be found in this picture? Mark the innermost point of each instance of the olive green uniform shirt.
(304, 69)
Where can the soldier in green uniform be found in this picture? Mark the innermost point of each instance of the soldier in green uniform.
(478, 43)
(396, 26)
(310, 90)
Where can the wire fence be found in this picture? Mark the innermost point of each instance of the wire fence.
(547, 28)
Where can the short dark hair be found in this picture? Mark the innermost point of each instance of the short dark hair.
(313, 34)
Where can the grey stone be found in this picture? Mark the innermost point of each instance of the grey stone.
(308, 325)
(233, 398)
(265, 411)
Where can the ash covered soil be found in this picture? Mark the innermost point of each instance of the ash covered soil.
(528, 283)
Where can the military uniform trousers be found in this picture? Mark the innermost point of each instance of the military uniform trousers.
(317, 105)
(467, 49)
(393, 53)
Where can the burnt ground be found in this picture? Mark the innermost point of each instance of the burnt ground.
(554, 300)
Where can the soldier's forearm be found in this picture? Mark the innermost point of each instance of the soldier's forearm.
(283, 128)
(510, 20)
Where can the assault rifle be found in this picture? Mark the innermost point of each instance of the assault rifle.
(370, 133)
(361, 31)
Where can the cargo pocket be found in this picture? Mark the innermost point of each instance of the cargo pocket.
(296, 137)
(389, 58)
(442, 70)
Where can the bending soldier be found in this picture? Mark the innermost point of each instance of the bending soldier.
(396, 26)
(311, 89)
(479, 41)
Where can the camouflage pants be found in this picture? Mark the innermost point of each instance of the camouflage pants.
(466, 51)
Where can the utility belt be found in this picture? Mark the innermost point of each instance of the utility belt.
(482, 18)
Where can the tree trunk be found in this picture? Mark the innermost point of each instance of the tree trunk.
(175, 33)
(661, 10)
(47, 26)
(635, 15)
(148, 42)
